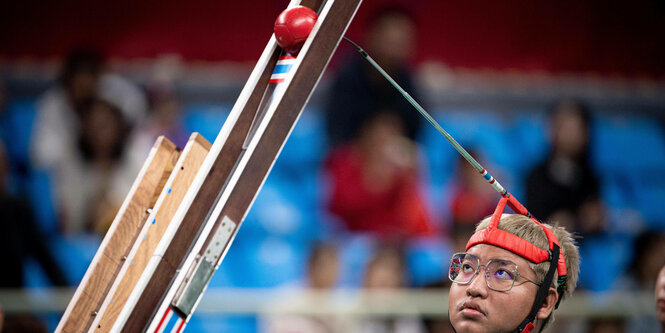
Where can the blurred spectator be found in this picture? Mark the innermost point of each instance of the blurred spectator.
(323, 267)
(23, 323)
(95, 178)
(61, 108)
(20, 238)
(564, 187)
(386, 271)
(375, 182)
(322, 275)
(359, 91)
(660, 298)
(642, 274)
(164, 117)
(648, 258)
(472, 200)
(607, 325)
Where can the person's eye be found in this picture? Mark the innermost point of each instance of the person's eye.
(503, 274)
(466, 268)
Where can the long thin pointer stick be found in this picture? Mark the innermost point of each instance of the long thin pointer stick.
(436, 125)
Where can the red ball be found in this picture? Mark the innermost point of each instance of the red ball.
(293, 26)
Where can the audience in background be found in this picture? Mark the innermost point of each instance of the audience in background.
(359, 92)
(386, 272)
(23, 323)
(322, 275)
(20, 238)
(83, 123)
(660, 298)
(472, 199)
(375, 182)
(93, 180)
(640, 277)
(648, 258)
(80, 133)
(323, 267)
(607, 324)
(164, 116)
(61, 108)
(564, 187)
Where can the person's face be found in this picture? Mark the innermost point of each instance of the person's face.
(324, 271)
(82, 86)
(392, 40)
(103, 129)
(385, 274)
(660, 296)
(570, 132)
(474, 307)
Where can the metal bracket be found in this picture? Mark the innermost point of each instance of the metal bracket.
(202, 269)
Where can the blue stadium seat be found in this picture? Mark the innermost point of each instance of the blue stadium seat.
(41, 196)
(16, 129)
(529, 137)
(253, 262)
(355, 251)
(33, 275)
(205, 118)
(481, 131)
(282, 209)
(598, 273)
(628, 143)
(306, 145)
(427, 260)
(629, 153)
(74, 254)
(204, 322)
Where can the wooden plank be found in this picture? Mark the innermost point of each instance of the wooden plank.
(121, 235)
(216, 175)
(252, 167)
(262, 155)
(165, 207)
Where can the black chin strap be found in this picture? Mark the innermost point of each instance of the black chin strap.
(528, 324)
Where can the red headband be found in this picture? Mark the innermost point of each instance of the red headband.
(494, 236)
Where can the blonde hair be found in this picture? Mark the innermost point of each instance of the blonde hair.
(525, 228)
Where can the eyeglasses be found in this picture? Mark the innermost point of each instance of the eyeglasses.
(500, 275)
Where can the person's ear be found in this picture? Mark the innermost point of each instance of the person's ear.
(548, 305)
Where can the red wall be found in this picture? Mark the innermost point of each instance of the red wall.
(625, 39)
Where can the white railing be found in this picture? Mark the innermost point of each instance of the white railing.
(421, 302)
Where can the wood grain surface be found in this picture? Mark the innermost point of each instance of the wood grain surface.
(261, 160)
(165, 207)
(107, 262)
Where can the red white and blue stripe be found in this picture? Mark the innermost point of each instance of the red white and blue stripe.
(282, 68)
(170, 323)
(493, 182)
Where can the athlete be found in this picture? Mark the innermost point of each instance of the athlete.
(495, 286)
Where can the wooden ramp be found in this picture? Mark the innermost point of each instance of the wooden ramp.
(126, 244)
(175, 248)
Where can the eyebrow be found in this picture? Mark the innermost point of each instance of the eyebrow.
(504, 261)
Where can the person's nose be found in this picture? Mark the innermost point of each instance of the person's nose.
(477, 287)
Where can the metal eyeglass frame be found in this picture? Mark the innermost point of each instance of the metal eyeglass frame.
(487, 277)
